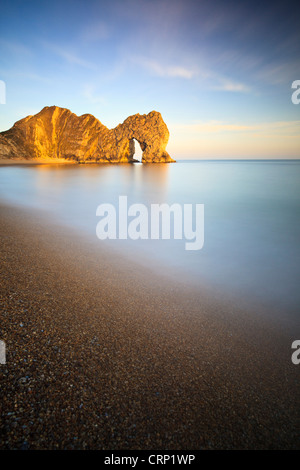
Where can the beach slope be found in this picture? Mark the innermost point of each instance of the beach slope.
(104, 354)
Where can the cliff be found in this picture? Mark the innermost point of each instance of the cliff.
(57, 133)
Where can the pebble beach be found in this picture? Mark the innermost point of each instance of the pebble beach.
(102, 353)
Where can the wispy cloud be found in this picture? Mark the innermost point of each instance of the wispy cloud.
(15, 48)
(164, 70)
(70, 57)
(23, 75)
(217, 127)
(206, 77)
(279, 73)
(229, 85)
(216, 139)
(91, 95)
(74, 59)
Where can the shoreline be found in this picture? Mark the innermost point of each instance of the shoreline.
(62, 161)
(36, 161)
(104, 354)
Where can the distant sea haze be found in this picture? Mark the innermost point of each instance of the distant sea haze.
(251, 223)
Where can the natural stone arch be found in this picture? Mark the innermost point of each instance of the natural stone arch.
(57, 133)
(150, 131)
(137, 148)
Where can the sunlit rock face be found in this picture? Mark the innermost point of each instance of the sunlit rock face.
(57, 133)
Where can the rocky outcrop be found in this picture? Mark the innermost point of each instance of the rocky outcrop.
(57, 133)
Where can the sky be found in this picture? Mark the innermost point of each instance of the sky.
(219, 72)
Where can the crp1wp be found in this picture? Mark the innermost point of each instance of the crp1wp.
(171, 459)
(137, 222)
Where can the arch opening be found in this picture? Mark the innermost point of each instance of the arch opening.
(137, 151)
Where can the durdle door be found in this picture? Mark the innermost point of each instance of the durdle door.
(57, 133)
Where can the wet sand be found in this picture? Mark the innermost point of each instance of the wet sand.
(105, 354)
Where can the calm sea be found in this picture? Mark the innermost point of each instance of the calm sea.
(251, 218)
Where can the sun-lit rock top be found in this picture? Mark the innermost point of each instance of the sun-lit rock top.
(57, 133)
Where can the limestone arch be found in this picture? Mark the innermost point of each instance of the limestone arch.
(137, 148)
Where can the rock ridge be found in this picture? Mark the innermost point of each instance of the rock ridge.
(57, 133)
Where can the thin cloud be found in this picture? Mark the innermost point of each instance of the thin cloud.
(89, 93)
(15, 48)
(278, 127)
(205, 75)
(70, 57)
(218, 139)
(24, 75)
(165, 71)
(279, 73)
(229, 85)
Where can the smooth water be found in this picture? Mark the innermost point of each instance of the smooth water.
(252, 218)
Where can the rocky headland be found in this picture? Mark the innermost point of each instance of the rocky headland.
(57, 133)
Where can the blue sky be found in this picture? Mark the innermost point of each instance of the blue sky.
(219, 72)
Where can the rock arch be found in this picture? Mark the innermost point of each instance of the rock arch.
(58, 133)
(136, 148)
(150, 131)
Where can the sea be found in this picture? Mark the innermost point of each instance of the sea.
(251, 222)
